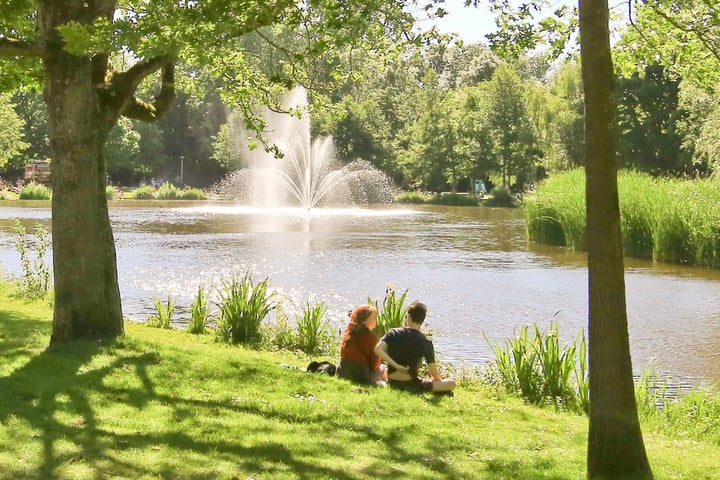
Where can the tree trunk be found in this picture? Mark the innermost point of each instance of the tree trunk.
(87, 296)
(615, 444)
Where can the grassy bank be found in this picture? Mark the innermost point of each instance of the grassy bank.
(168, 404)
(667, 220)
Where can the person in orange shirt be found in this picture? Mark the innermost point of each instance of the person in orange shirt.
(358, 361)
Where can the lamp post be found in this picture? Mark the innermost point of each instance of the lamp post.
(182, 164)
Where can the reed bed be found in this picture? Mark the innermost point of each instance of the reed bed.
(668, 220)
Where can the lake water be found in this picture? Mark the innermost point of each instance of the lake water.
(472, 266)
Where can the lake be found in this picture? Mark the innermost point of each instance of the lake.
(472, 266)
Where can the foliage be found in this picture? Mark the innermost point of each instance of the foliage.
(36, 274)
(454, 199)
(648, 119)
(391, 314)
(313, 331)
(243, 306)
(111, 192)
(692, 414)
(12, 143)
(536, 366)
(35, 191)
(144, 193)
(667, 220)
(163, 314)
(500, 197)
(411, 198)
(685, 40)
(193, 194)
(167, 191)
(199, 313)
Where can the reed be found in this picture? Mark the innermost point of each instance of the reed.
(668, 220)
(536, 366)
(168, 191)
(243, 305)
(391, 314)
(199, 313)
(163, 314)
(313, 331)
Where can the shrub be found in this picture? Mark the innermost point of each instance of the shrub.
(411, 198)
(167, 191)
(35, 282)
(34, 191)
(500, 197)
(313, 333)
(391, 314)
(193, 194)
(111, 192)
(199, 314)
(146, 192)
(538, 368)
(164, 313)
(454, 199)
(243, 306)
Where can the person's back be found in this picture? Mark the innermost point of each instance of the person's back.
(409, 346)
(404, 349)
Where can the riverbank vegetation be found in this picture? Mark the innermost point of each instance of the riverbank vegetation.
(669, 220)
(166, 403)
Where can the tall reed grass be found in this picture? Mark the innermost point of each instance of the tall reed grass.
(668, 220)
(243, 305)
(162, 318)
(313, 331)
(535, 365)
(199, 313)
(391, 313)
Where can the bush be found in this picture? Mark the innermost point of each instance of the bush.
(454, 199)
(193, 194)
(243, 307)
(146, 192)
(313, 333)
(167, 191)
(34, 191)
(35, 282)
(411, 198)
(538, 368)
(111, 192)
(500, 197)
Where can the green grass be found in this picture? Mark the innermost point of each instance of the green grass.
(169, 404)
(668, 220)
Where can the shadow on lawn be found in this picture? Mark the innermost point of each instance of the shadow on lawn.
(51, 394)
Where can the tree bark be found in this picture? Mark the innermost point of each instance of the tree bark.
(615, 444)
(87, 296)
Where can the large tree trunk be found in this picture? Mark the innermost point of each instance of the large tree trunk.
(615, 444)
(87, 297)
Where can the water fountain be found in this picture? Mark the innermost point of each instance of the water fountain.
(308, 174)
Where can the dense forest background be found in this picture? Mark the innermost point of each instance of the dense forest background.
(435, 115)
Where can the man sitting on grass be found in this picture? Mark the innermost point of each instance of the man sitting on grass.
(404, 348)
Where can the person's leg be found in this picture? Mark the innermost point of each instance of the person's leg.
(445, 385)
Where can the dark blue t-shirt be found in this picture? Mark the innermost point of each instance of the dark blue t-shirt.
(408, 346)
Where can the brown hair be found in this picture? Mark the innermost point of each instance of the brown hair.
(359, 316)
(417, 311)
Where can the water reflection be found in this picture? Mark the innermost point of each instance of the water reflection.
(472, 266)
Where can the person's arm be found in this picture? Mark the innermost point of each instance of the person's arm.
(434, 372)
(381, 351)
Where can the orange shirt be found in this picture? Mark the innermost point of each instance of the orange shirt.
(360, 347)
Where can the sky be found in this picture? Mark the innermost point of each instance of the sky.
(471, 23)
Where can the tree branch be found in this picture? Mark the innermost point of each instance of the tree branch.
(12, 47)
(118, 89)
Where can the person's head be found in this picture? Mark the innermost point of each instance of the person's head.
(365, 315)
(416, 313)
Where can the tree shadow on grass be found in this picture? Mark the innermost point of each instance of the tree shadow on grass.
(54, 393)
